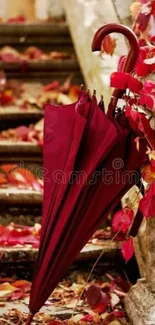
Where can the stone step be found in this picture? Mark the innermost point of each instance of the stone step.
(45, 71)
(20, 151)
(63, 308)
(21, 260)
(47, 36)
(13, 116)
(140, 304)
(19, 197)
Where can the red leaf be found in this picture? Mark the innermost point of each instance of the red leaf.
(23, 176)
(55, 322)
(23, 285)
(118, 313)
(119, 80)
(97, 299)
(143, 21)
(149, 86)
(142, 42)
(15, 178)
(18, 19)
(152, 165)
(6, 97)
(53, 85)
(123, 80)
(148, 100)
(134, 85)
(137, 121)
(108, 45)
(143, 69)
(3, 179)
(13, 235)
(127, 249)
(16, 295)
(147, 203)
(121, 63)
(122, 284)
(113, 315)
(22, 132)
(7, 168)
(20, 232)
(33, 52)
(87, 318)
(122, 220)
(9, 57)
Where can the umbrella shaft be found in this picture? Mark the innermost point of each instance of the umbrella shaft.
(29, 319)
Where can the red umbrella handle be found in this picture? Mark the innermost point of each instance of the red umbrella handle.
(131, 57)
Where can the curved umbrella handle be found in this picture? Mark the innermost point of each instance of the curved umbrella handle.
(131, 57)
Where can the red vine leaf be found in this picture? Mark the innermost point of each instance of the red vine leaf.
(124, 80)
(122, 220)
(127, 249)
(147, 203)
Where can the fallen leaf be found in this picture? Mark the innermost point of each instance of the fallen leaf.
(114, 299)
(8, 167)
(96, 297)
(22, 284)
(3, 179)
(6, 289)
(16, 295)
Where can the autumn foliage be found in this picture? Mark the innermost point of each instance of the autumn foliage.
(139, 108)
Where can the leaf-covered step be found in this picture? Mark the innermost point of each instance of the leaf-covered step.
(47, 36)
(20, 151)
(20, 197)
(15, 256)
(13, 115)
(67, 300)
(46, 71)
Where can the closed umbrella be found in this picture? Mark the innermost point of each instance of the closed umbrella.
(80, 140)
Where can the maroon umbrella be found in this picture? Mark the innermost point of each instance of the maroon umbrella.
(83, 147)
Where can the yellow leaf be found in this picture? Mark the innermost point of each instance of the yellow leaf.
(135, 8)
(5, 289)
(115, 322)
(152, 155)
(77, 318)
(147, 174)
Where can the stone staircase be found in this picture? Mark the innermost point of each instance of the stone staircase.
(24, 206)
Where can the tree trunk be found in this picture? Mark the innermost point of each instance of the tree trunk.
(84, 18)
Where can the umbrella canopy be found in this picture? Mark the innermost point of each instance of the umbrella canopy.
(84, 182)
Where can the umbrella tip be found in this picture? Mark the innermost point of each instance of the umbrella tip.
(101, 98)
(81, 87)
(29, 319)
(94, 92)
(101, 104)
